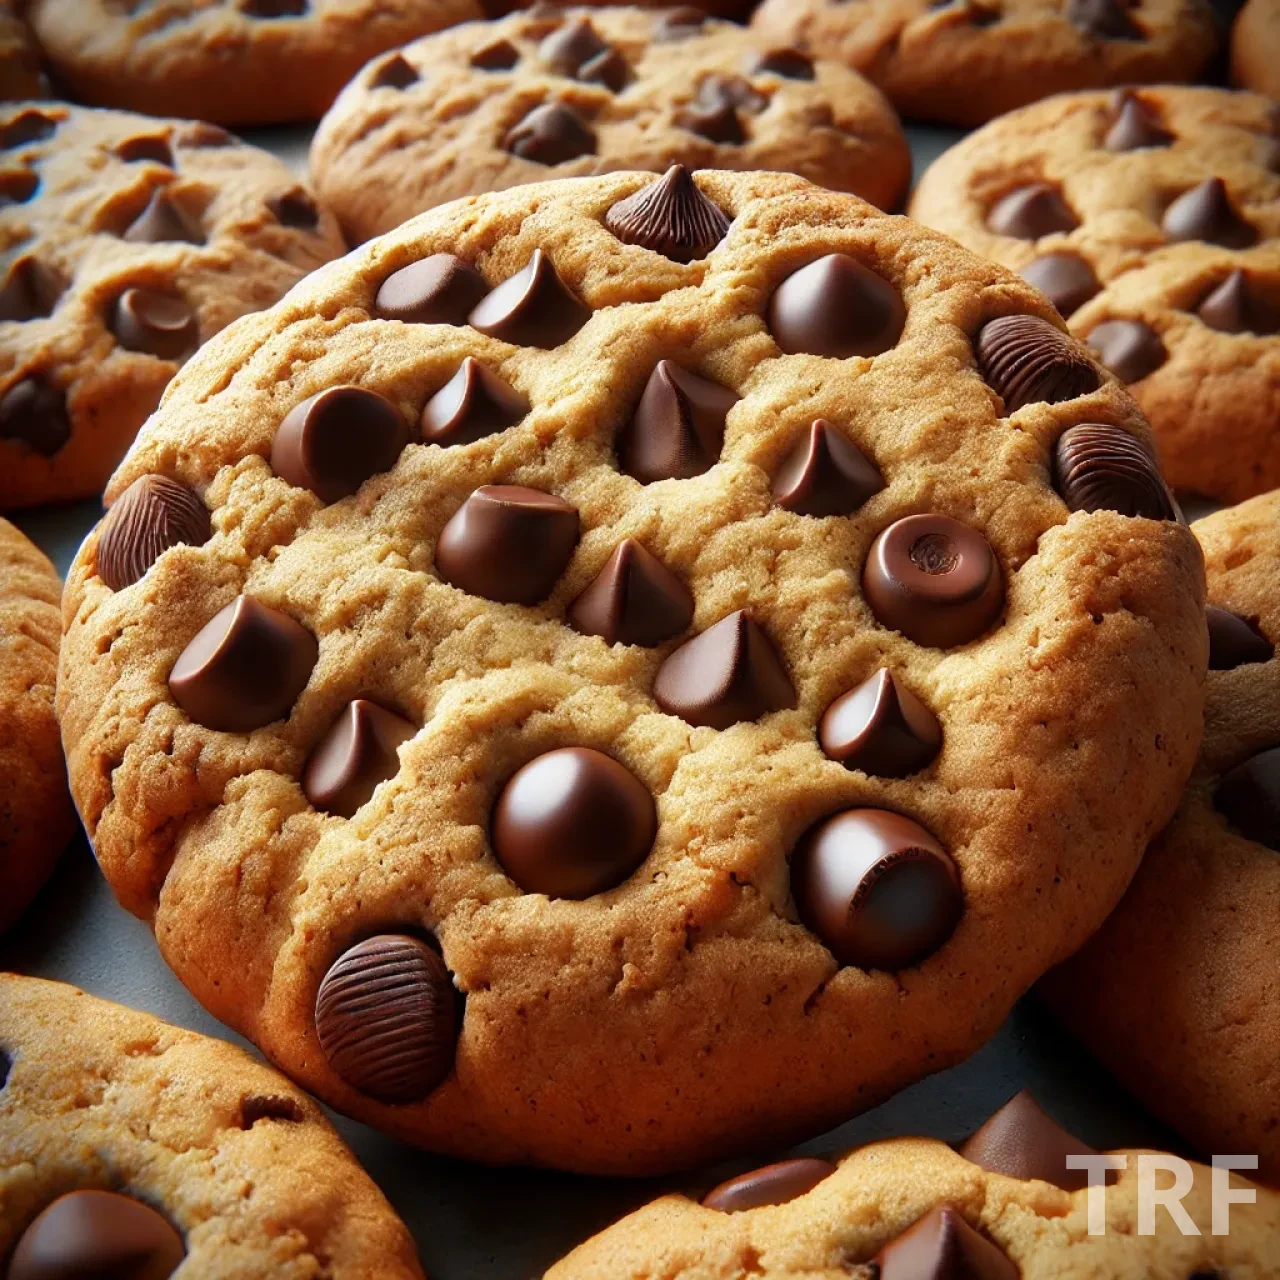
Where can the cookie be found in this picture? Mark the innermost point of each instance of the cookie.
(491, 105)
(126, 1140)
(1151, 219)
(966, 62)
(612, 682)
(1255, 47)
(1003, 1205)
(20, 73)
(126, 241)
(36, 817)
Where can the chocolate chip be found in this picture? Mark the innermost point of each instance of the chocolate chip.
(153, 514)
(935, 580)
(387, 1018)
(679, 24)
(31, 290)
(1131, 349)
(1103, 20)
(1098, 467)
(395, 72)
(359, 751)
(497, 55)
(1030, 212)
(17, 187)
(1235, 641)
(836, 307)
(943, 1246)
(566, 49)
(34, 413)
(295, 209)
(774, 1184)
(88, 1235)
(199, 135)
(573, 823)
(257, 1107)
(1206, 213)
(474, 403)
(826, 474)
(157, 324)
(877, 888)
(508, 543)
(788, 63)
(1026, 360)
(1236, 306)
(677, 430)
(534, 308)
(440, 289)
(146, 146)
(730, 91)
(1249, 798)
(163, 220)
(881, 728)
(716, 124)
(244, 668)
(634, 599)
(26, 126)
(608, 68)
(552, 133)
(1134, 124)
(728, 674)
(1066, 279)
(334, 441)
(273, 8)
(671, 216)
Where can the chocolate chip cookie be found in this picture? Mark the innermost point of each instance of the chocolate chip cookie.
(1003, 1205)
(20, 72)
(491, 105)
(126, 242)
(133, 1148)
(585, 656)
(1151, 218)
(1255, 47)
(967, 61)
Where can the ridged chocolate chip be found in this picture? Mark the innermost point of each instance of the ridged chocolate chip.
(679, 24)
(296, 209)
(31, 290)
(566, 49)
(728, 674)
(1030, 212)
(245, 668)
(440, 289)
(1098, 467)
(826, 474)
(788, 63)
(153, 514)
(935, 580)
(17, 187)
(164, 220)
(881, 728)
(34, 413)
(1131, 349)
(943, 1246)
(1235, 641)
(1026, 360)
(1066, 279)
(1134, 124)
(609, 68)
(497, 55)
(273, 8)
(1249, 798)
(670, 216)
(508, 543)
(1236, 306)
(334, 441)
(634, 599)
(551, 134)
(1206, 213)
(1103, 20)
(836, 307)
(358, 752)
(677, 430)
(387, 1018)
(573, 823)
(146, 146)
(534, 308)
(26, 126)
(474, 403)
(877, 888)
(395, 72)
(774, 1184)
(155, 323)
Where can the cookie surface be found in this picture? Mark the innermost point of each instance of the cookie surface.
(626, 576)
(1152, 219)
(126, 242)
(490, 105)
(20, 73)
(1255, 47)
(965, 62)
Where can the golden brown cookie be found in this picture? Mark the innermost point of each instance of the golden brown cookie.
(626, 707)
(20, 73)
(1255, 47)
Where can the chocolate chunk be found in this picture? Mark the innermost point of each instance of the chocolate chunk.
(730, 91)
(359, 751)
(1235, 641)
(935, 580)
(497, 55)
(1134, 125)
(508, 543)
(1249, 798)
(716, 124)
(155, 323)
(1236, 306)
(1030, 212)
(1103, 20)
(163, 220)
(440, 289)
(34, 413)
(1026, 360)
(1066, 279)
(96, 1235)
(774, 1184)
(836, 307)
(395, 72)
(534, 308)
(634, 599)
(1131, 349)
(881, 728)
(295, 208)
(943, 1246)
(573, 823)
(877, 888)
(679, 24)
(31, 290)
(566, 49)
(826, 474)
(334, 441)
(245, 668)
(670, 216)
(26, 126)
(608, 68)
(1206, 213)
(677, 430)
(1098, 467)
(387, 1018)
(146, 146)
(273, 8)
(17, 187)
(474, 403)
(199, 135)
(552, 133)
(153, 514)
(788, 63)
(728, 674)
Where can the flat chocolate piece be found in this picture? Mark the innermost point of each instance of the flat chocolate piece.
(1098, 467)
(534, 308)
(440, 289)
(567, 48)
(474, 403)
(31, 290)
(1134, 125)
(1205, 212)
(634, 599)
(497, 55)
(1236, 306)
(163, 221)
(1131, 349)
(395, 72)
(1030, 212)
(296, 209)
(943, 1246)
(157, 324)
(359, 751)
(826, 474)
(677, 430)
(551, 134)
(1026, 360)
(1235, 641)
(27, 126)
(153, 514)
(671, 216)
(1066, 279)
(34, 413)
(881, 728)
(836, 307)
(1021, 1141)
(774, 1184)
(1104, 20)
(789, 63)
(153, 147)
(1248, 796)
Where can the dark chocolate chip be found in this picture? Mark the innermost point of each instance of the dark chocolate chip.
(34, 413)
(566, 49)
(790, 64)
(1030, 212)
(826, 474)
(1235, 641)
(31, 290)
(943, 1246)
(26, 126)
(1206, 213)
(1131, 349)
(717, 124)
(634, 599)
(1026, 360)
(1066, 279)
(552, 133)
(17, 187)
(1249, 798)
(671, 216)
(497, 55)
(157, 324)
(273, 8)
(881, 728)
(836, 307)
(1134, 124)
(1103, 19)
(474, 403)
(257, 1107)
(1236, 306)
(146, 146)
(679, 24)
(677, 430)
(608, 68)
(774, 1184)
(199, 135)
(395, 72)
(164, 220)
(440, 289)
(1098, 467)
(359, 751)
(295, 209)
(534, 308)
(153, 514)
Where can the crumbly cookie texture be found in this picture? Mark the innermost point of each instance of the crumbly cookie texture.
(20, 73)
(626, 577)
(97, 1097)
(128, 241)
(491, 105)
(1152, 219)
(1255, 47)
(968, 61)
(1200, 928)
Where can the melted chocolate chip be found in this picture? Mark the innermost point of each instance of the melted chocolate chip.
(1131, 349)
(1134, 124)
(670, 216)
(153, 147)
(153, 514)
(634, 599)
(943, 1246)
(836, 307)
(359, 751)
(156, 324)
(164, 220)
(677, 430)
(881, 728)
(1237, 306)
(395, 72)
(1066, 279)
(31, 290)
(27, 126)
(1031, 212)
(774, 1184)
(552, 133)
(534, 308)
(1026, 360)
(1098, 467)
(295, 209)
(34, 413)
(474, 403)
(1249, 798)
(1206, 213)
(826, 474)
(440, 289)
(1235, 641)
(1103, 19)
(18, 187)
(790, 64)
(273, 8)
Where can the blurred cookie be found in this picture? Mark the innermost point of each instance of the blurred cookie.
(1255, 47)
(20, 72)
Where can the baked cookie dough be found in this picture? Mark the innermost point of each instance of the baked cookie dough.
(1255, 47)
(968, 61)
(491, 105)
(20, 73)
(126, 242)
(1151, 218)
(624, 707)
(1179, 994)
(129, 1147)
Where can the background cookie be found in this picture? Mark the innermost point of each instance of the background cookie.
(1179, 994)
(1255, 47)
(127, 241)
(628, 573)
(968, 61)
(20, 74)
(490, 105)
